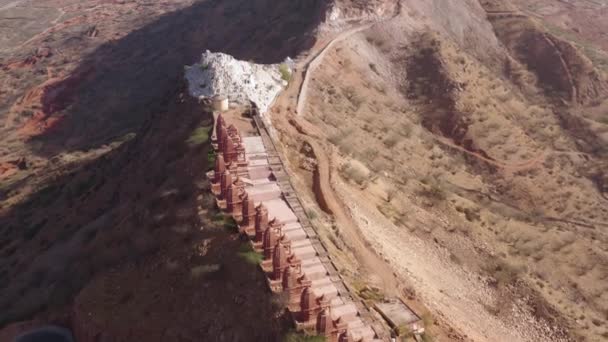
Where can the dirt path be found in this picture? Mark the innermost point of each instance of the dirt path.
(551, 42)
(378, 270)
(508, 167)
(286, 120)
(312, 62)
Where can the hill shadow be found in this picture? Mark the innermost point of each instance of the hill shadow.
(116, 87)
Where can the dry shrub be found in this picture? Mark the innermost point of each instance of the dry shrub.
(339, 136)
(352, 173)
(391, 140)
(432, 191)
(406, 130)
(503, 273)
(353, 97)
(367, 156)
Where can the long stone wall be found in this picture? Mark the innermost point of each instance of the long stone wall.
(250, 183)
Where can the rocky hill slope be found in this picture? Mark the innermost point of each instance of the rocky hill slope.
(469, 150)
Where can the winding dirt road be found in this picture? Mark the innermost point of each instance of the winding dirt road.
(312, 62)
(288, 121)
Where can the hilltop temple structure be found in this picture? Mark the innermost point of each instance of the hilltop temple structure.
(246, 188)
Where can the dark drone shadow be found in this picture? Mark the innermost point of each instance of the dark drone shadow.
(116, 87)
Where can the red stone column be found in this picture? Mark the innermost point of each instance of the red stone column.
(221, 142)
(328, 328)
(248, 222)
(261, 222)
(220, 168)
(276, 227)
(219, 124)
(234, 203)
(225, 184)
(294, 282)
(309, 306)
(229, 150)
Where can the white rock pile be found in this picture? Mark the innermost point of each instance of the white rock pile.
(240, 81)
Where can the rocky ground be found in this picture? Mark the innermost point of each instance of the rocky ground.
(240, 81)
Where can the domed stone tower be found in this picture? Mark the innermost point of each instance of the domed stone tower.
(270, 242)
(329, 328)
(309, 306)
(279, 261)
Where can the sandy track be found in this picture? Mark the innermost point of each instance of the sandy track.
(289, 123)
(375, 267)
(312, 62)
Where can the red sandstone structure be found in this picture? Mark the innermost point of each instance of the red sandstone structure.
(246, 188)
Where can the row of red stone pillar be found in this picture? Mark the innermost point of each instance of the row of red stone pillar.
(283, 268)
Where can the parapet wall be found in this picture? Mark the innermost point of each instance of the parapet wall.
(250, 183)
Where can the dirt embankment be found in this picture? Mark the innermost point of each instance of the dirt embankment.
(429, 85)
(561, 69)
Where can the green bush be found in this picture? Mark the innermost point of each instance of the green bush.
(211, 156)
(285, 73)
(199, 136)
(300, 337)
(250, 256)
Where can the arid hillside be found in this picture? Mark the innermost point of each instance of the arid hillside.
(450, 153)
(467, 141)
